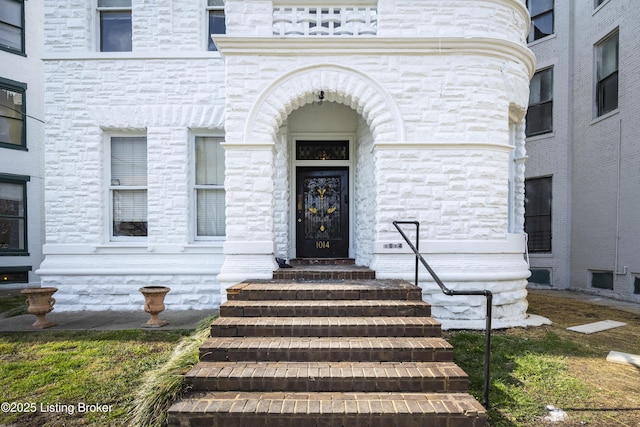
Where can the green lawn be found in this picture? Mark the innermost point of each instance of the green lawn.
(49, 377)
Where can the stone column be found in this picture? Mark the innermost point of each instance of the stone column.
(249, 186)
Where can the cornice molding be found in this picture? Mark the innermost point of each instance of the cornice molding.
(350, 45)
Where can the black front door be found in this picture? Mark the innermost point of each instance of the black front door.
(322, 212)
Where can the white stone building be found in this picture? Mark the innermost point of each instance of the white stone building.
(583, 149)
(311, 128)
(21, 142)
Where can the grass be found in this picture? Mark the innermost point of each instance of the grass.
(537, 367)
(139, 372)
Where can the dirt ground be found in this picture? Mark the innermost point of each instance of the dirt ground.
(617, 398)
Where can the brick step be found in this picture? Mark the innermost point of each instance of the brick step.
(437, 377)
(325, 327)
(313, 308)
(301, 349)
(227, 409)
(344, 290)
(324, 272)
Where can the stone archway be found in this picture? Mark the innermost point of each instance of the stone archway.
(251, 163)
(341, 85)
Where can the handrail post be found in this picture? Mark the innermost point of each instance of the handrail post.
(417, 248)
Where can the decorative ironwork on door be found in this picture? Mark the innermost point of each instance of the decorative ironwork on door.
(322, 208)
(322, 213)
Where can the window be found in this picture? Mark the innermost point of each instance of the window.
(13, 214)
(128, 187)
(12, 25)
(540, 276)
(115, 25)
(14, 274)
(217, 25)
(537, 216)
(607, 74)
(209, 187)
(540, 112)
(541, 12)
(602, 279)
(13, 132)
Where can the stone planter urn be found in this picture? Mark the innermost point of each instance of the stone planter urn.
(154, 304)
(39, 302)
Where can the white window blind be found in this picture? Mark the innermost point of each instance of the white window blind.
(209, 187)
(128, 185)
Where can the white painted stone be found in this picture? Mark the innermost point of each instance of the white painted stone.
(434, 104)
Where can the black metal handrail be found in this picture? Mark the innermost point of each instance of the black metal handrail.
(420, 259)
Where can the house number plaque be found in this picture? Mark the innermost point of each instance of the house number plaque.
(322, 244)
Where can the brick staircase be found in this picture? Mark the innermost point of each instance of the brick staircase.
(326, 353)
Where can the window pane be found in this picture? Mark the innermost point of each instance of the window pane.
(542, 26)
(128, 161)
(10, 37)
(11, 203)
(217, 25)
(210, 212)
(538, 214)
(608, 58)
(536, 7)
(608, 94)
(539, 119)
(11, 12)
(130, 213)
(219, 3)
(115, 32)
(114, 3)
(11, 103)
(12, 217)
(209, 161)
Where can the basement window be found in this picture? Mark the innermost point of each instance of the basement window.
(602, 279)
(14, 275)
(540, 276)
(636, 285)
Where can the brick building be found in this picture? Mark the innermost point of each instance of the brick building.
(582, 143)
(302, 132)
(21, 142)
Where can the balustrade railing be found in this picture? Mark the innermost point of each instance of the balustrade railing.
(325, 21)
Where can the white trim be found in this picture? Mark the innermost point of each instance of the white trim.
(349, 45)
(135, 55)
(445, 145)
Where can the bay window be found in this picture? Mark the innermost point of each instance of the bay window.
(128, 187)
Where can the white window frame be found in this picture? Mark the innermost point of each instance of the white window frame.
(111, 187)
(208, 9)
(195, 187)
(99, 10)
